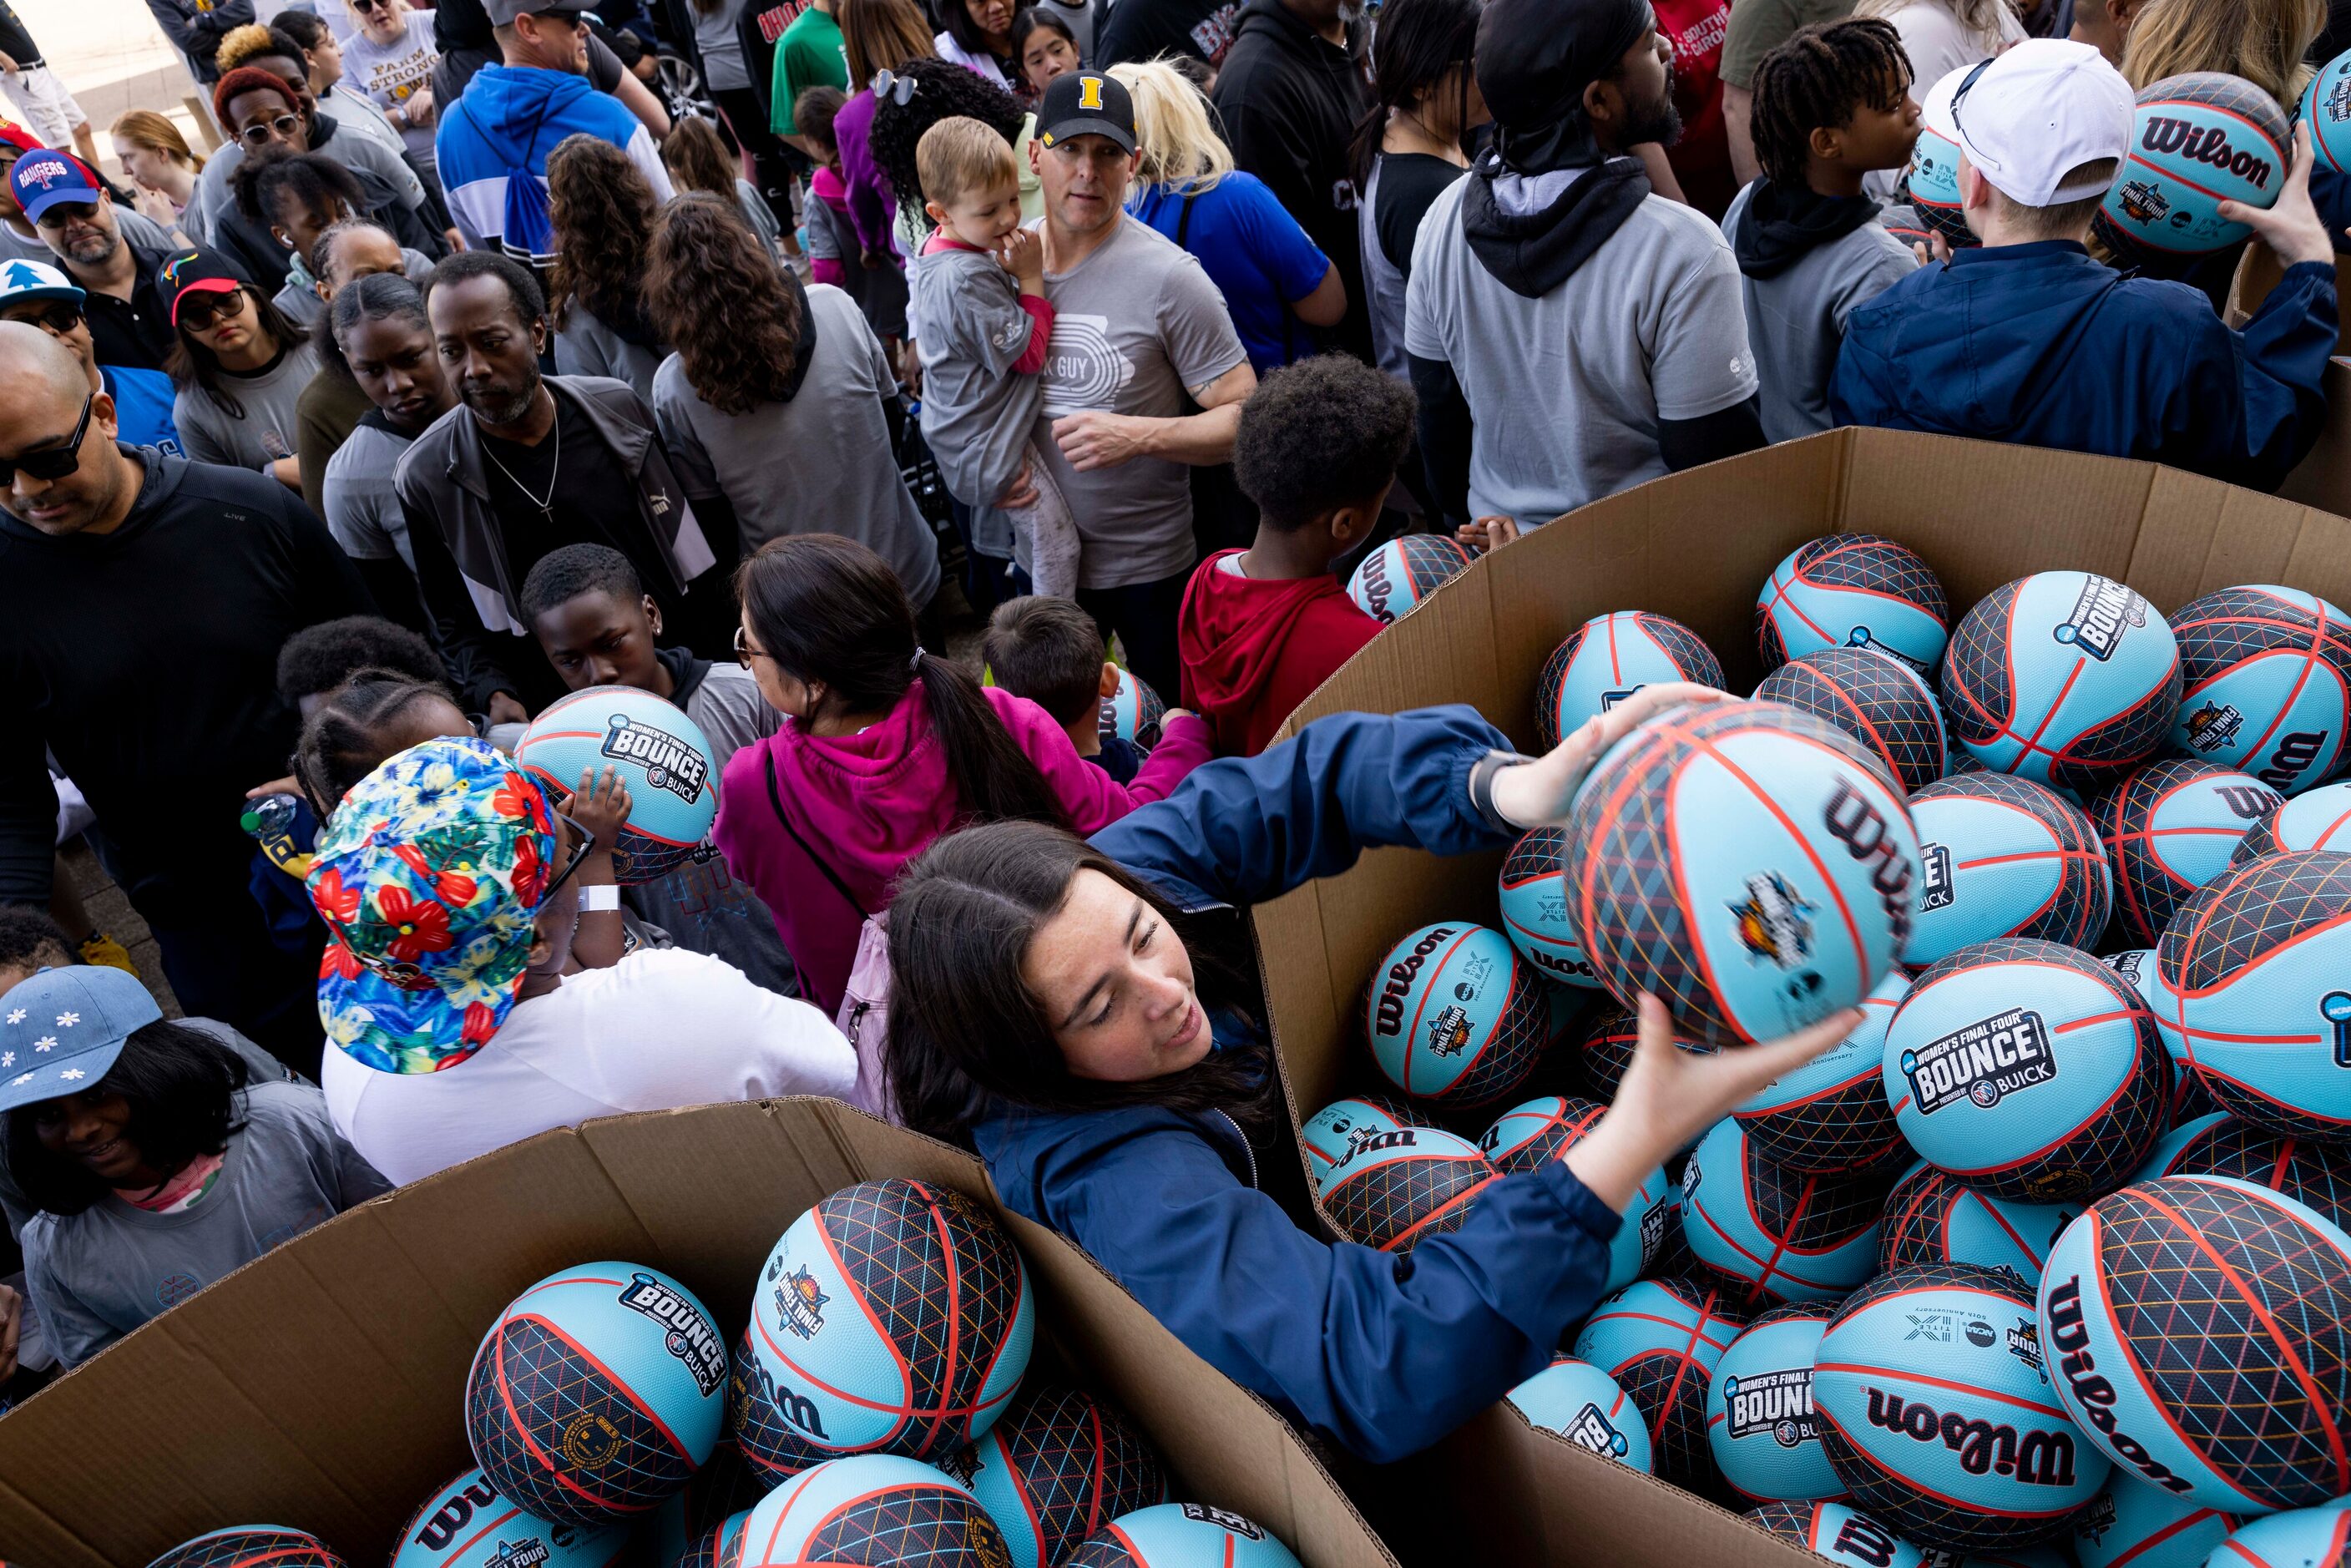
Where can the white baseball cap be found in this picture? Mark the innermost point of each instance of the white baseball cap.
(2034, 114)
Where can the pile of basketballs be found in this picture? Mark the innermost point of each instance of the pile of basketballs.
(2047, 1261)
(876, 1411)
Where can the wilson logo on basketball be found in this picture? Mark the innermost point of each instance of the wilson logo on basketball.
(1861, 827)
(692, 1337)
(1981, 1064)
(2103, 611)
(1377, 587)
(1859, 1539)
(2205, 145)
(1369, 1142)
(442, 1528)
(1777, 1403)
(2248, 803)
(1388, 1017)
(2295, 755)
(2093, 1395)
(2036, 1458)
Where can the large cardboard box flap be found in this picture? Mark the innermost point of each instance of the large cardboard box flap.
(321, 1385)
(1697, 546)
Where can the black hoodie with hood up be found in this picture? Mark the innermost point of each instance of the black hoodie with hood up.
(1290, 99)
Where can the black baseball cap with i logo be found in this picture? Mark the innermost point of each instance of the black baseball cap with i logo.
(1086, 103)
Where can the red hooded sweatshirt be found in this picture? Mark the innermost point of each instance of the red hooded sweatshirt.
(1253, 651)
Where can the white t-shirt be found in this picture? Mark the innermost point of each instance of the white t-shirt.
(661, 1028)
(1566, 391)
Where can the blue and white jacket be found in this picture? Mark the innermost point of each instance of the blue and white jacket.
(1383, 1353)
(492, 150)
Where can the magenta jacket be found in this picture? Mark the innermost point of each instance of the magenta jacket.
(871, 802)
(872, 205)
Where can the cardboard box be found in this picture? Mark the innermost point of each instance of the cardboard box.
(321, 1385)
(1696, 546)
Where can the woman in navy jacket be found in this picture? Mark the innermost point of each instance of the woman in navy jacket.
(1047, 1011)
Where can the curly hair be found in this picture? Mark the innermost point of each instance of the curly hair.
(1820, 78)
(942, 90)
(603, 209)
(718, 298)
(1319, 434)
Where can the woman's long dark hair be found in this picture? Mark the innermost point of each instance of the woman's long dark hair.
(830, 610)
(967, 1036)
(181, 1085)
(943, 91)
(954, 18)
(718, 298)
(603, 209)
(1417, 42)
(190, 364)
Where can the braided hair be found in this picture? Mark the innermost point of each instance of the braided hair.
(342, 743)
(1820, 77)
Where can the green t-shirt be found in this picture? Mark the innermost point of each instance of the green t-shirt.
(1759, 26)
(810, 55)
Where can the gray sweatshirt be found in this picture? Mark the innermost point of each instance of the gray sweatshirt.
(266, 429)
(979, 413)
(97, 1275)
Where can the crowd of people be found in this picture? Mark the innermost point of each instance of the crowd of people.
(469, 371)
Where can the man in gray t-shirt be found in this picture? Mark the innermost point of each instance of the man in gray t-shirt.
(1136, 326)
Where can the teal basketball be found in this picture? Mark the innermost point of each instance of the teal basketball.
(1856, 591)
(2004, 857)
(1830, 1114)
(1058, 1465)
(467, 1524)
(660, 755)
(2306, 1537)
(2028, 1070)
(1576, 1400)
(1778, 1235)
(1661, 1341)
(1836, 1532)
(1533, 896)
(1455, 1015)
(1394, 579)
(2132, 1525)
(1401, 1186)
(1336, 1133)
(1606, 660)
(1759, 1408)
(274, 1544)
(2138, 967)
(1181, 1535)
(1934, 1396)
(877, 1511)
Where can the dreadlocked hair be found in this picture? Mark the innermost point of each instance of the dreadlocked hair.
(341, 744)
(943, 91)
(1820, 77)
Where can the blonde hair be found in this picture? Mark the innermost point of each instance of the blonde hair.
(145, 128)
(239, 45)
(1979, 18)
(2263, 41)
(1175, 144)
(960, 155)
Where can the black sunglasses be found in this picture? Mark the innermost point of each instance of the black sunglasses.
(199, 314)
(52, 462)
(579, 851)
(57, 316)
(370, 4)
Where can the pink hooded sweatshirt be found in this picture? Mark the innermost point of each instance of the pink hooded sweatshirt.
(871, 802)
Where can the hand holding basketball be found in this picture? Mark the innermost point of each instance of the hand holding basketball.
(1669, 1096)
(1537, 794)
(601, 805)
(2291, 228)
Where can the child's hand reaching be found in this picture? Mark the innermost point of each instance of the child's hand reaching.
(1023, 256)
(600, 806)
(1486, 533)
(1669, 1096)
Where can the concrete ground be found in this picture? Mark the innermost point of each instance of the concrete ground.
(113, 58)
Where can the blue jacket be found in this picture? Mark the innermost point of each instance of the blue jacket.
(2040, 345)
(492, 145)
(1382, 1353)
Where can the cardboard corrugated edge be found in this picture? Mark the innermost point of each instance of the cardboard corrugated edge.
(320, 1385)
(1696, 546)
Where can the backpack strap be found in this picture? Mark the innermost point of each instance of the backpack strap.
(776, 800)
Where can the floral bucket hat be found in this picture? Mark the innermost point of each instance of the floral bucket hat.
(428, 877)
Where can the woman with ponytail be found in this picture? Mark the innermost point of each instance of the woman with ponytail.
(884, 747)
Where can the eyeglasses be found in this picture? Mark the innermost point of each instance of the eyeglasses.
(60, 214)
(282, 127)
(898, 89)
(579, 851)
(56, 317)
(370, 4)
(52, 462)
(745, 653)
(198, 315)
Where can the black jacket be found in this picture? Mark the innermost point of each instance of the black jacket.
(1290, 99)
(146, 659)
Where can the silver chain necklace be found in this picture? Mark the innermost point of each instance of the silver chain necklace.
(555, 469)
